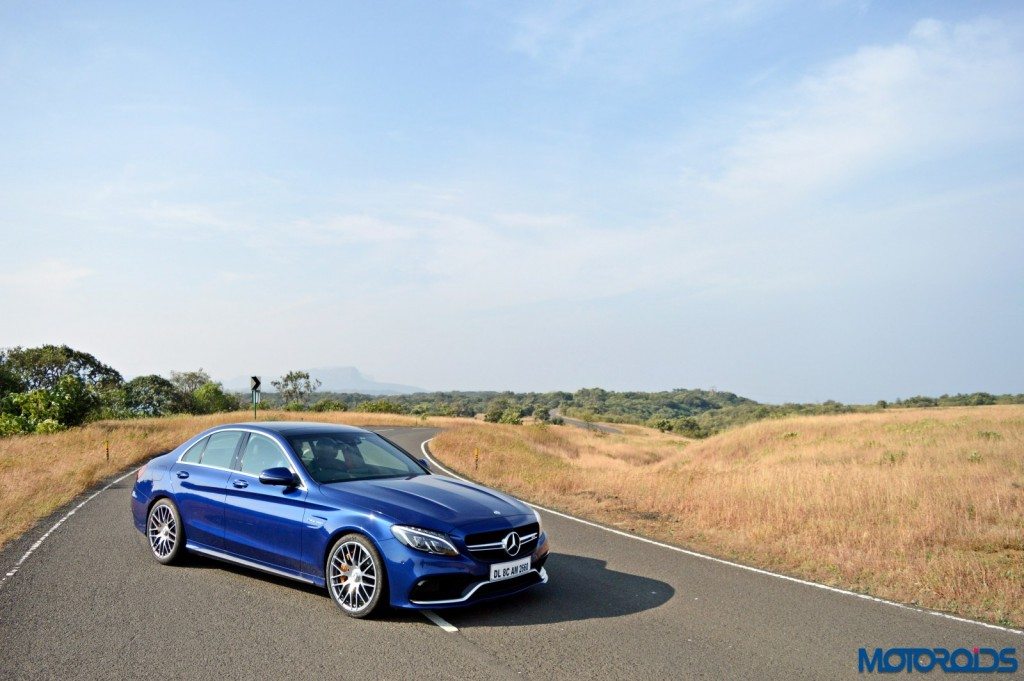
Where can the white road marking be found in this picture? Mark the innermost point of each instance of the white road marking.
(439, 621)
(722, 561)
(38, 543)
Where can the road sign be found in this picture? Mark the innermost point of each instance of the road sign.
(254, 385)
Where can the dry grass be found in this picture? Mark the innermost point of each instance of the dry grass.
(919, 506)
(39, 473)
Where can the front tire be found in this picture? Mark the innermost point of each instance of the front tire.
(165, 532)
(355, 575)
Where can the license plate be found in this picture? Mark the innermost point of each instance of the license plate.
(513, 568)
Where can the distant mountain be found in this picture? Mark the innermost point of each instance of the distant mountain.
(335, 380)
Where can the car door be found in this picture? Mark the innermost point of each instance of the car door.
(263, 523)
(199, 479)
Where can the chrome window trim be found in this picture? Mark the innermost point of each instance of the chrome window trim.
(476, 587)
(291, 467)
(247, 563)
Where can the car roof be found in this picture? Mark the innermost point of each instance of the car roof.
(286, 428)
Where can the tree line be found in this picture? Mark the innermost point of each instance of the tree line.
(52, 387)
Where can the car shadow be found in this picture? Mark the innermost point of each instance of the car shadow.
(579, 588)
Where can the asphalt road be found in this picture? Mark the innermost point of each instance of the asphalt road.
(90, 603)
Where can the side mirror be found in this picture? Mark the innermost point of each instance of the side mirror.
(425, 463)
(278, 476)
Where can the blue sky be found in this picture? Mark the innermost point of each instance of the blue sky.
(792, 201)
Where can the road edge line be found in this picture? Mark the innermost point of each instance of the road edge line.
(722, 561)
(17, 565)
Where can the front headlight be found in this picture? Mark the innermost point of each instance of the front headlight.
(424, 540)
(540, 524)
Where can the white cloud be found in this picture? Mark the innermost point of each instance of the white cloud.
(942, 90)
(48, 277)
(624, 40)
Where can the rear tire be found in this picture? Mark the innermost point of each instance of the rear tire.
(164, 532)
(355, 575)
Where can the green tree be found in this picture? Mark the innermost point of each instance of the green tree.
(153, 396)
(44, 366)
(190, 381)
(9, 381)
(496, 409)
(296, 386)
(210, 398)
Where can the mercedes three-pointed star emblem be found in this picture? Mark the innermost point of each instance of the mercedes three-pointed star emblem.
(512, 543)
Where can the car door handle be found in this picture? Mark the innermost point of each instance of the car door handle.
(182, 474)
(240, 484)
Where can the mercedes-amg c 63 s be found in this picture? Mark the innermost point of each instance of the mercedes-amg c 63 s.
(339, 507)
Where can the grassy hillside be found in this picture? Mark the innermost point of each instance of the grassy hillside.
(922, 506)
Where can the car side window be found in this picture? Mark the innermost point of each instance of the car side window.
(260, 454)
(220, 450)
(195, 452)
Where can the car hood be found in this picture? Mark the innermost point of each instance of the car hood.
(434, 501)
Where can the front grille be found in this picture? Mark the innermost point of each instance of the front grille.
(495, 554)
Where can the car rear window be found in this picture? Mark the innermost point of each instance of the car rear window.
(195, 452)
(220, 450)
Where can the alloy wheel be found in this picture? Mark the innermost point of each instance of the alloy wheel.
(352, 576)
(163, 531)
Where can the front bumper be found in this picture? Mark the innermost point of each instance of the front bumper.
(419, 581)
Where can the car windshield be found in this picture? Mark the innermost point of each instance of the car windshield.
(338, 457)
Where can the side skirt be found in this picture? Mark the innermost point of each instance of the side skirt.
(228, 558)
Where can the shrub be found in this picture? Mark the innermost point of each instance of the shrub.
(381, 406)
(327, 404)
(12, 425)
(48, 426)
(496, 410)
(512, 415)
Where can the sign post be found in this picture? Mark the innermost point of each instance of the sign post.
(254, 386)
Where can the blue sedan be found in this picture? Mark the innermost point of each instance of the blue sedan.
(339, 507)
